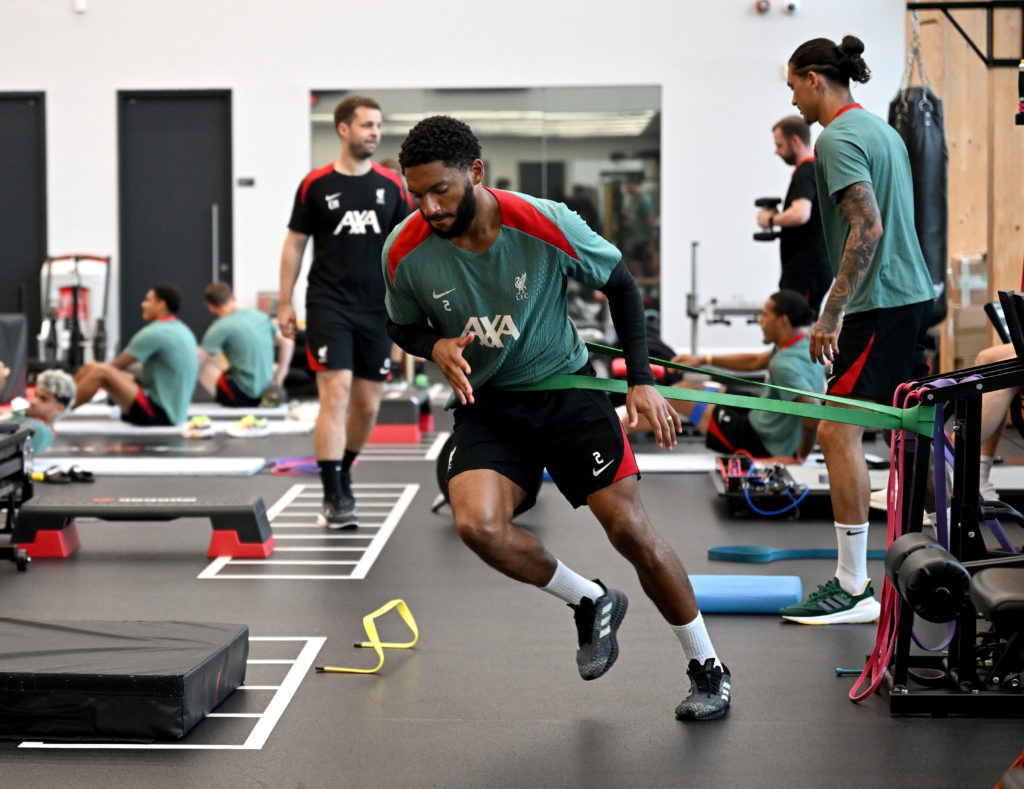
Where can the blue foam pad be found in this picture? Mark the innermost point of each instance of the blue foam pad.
(746, 594)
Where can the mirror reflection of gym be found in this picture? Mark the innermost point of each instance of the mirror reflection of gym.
(597, 149)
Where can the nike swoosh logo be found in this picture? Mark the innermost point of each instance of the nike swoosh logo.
(597, 471)
(854, 533)
(440, 295)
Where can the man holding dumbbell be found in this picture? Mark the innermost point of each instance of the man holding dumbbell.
(805, 265)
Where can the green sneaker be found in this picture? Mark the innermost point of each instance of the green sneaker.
(833, 605)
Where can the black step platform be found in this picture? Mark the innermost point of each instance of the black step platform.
(45, 526)
(96, 680)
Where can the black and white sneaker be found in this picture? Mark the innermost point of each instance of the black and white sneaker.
(597, 622)
(710, 692)
(338, 513)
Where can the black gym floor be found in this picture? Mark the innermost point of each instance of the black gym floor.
(490, 697)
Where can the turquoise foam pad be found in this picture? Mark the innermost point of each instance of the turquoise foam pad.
(746, 594)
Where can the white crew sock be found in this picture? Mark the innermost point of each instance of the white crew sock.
(984, 468)
(570, 586)
(696, 641)
(852, 570)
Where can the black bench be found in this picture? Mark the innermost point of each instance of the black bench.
(46, 527)
(998, 594)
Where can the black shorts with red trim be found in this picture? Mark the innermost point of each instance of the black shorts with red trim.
(879, 350)
(228, 394)
(145, 412)
(730, 431)
(574, 433)
(351, 341)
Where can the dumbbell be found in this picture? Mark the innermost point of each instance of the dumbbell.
(767, 202)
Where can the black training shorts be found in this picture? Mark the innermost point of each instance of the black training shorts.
(879, 350)
(573, 433)
(228, 394)
(730, 431)
(353, 341)
(145, 412)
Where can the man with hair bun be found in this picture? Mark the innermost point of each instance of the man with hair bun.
(879, 304)
(785, 320)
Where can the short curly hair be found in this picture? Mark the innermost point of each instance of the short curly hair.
(439, 138)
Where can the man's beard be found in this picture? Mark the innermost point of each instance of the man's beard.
(464, 215)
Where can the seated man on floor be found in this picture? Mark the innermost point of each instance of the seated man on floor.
(167, 350)
(55, 390)
(247, 339)
(994, 408)
(784, 319)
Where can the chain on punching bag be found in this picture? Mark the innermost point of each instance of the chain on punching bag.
(916, 114)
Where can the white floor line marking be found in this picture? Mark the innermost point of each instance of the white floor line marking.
(261, 731)
(278, 562)
(214, 567)
(393, 499)
(284, 501)
(437, 446)
(381, 538)
(316, 550)
(233, 715)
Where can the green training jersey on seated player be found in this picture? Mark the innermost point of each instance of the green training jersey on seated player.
(247, 339)
(790, 366)
(859, 146)
(170, 364)
(511, 297)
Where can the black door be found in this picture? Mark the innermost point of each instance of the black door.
(22, 204)
(175, 198)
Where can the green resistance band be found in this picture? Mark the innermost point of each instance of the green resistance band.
(918, 419)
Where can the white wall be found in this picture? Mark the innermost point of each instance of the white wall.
(719, 63)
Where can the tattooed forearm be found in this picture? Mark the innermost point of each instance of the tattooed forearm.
(861, 210)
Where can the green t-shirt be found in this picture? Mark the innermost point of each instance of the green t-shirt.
(859, 146)
(512, 296)
(247, 339)
(170, 364)
(42, 433)
(792, 367)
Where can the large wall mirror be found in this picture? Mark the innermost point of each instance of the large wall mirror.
(597, 149)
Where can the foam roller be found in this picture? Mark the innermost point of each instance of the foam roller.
(746, 594)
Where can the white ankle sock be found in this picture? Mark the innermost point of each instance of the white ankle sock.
(695, 641)
(852, 570)
(570, 586)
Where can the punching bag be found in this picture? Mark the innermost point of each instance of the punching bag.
(916, 114)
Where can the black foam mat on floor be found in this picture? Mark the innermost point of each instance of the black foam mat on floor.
(96, 680)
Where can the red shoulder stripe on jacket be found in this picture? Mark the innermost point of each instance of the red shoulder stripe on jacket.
(416, 230)
(319, 172)
(521, 215)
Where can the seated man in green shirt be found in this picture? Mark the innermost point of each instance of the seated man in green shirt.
(55, 390)
(784, 320)
(247, 339)
(167, 350)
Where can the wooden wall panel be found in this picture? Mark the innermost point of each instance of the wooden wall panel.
(1006, 164)
(986, 158)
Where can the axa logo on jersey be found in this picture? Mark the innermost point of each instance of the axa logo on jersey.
(358, 222)
(492, 331)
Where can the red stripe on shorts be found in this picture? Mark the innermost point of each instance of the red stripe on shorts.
(844, 385)
(222, 384)
(143, 401)
(628, 466)
(716, 431)
(314, 365)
